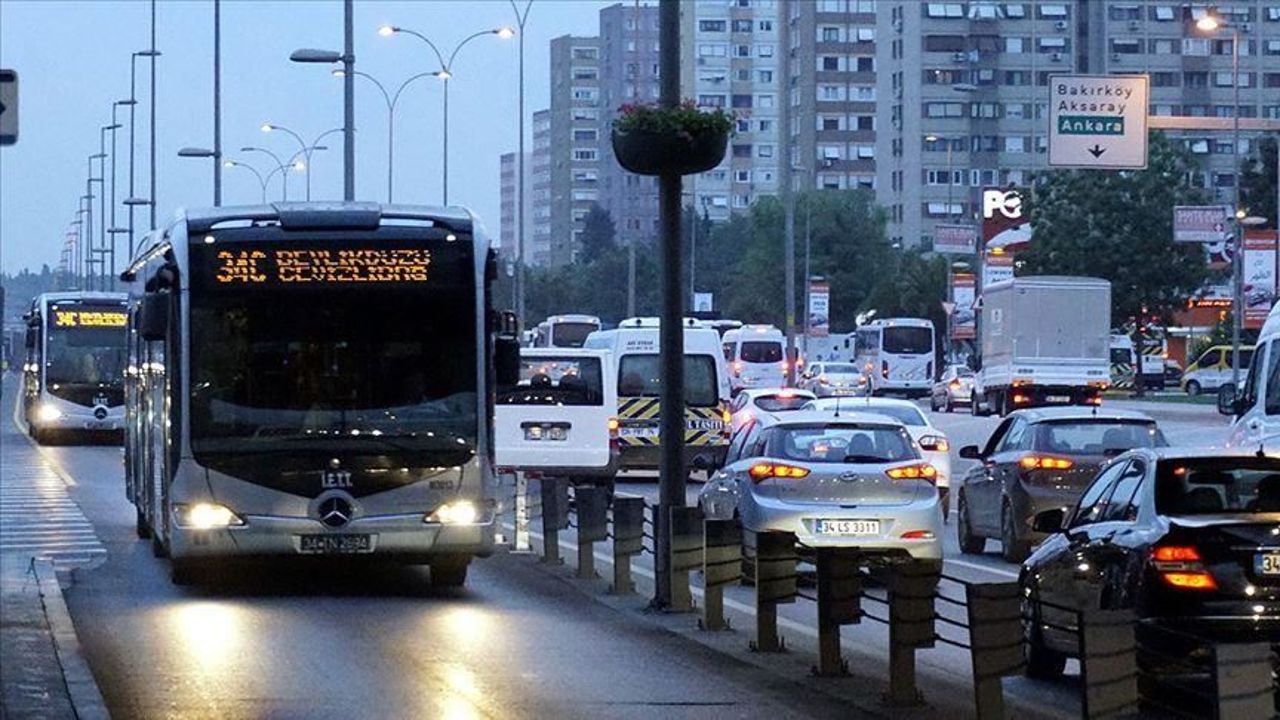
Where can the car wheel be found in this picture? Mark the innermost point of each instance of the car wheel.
(970, 543)
(449, 573)
(947, 405)
(1042, 662)
(1013, 549)
(140, 526)
(1193, 388)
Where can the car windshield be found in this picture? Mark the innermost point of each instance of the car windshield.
(839, 369)
(641, 376)
(908, 340)
(1096, 437)
(843, 443)
(904, 414)
(556, 381)
(781, 403)
(571, 334)
(1206, 486)
(761, 351)
(962, 371)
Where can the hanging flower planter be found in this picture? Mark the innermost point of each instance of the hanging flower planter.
(654, 140)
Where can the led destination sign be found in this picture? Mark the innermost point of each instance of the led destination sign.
(91, 317)
(285, 266)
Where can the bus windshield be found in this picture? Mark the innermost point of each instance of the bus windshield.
(84, 351)
(370, 367)
(571, 334)
(908, 340)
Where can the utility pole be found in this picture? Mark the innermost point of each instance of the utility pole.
(152, 128)
(217, 103)
(349, 105)
(789, 212)
(673, 477)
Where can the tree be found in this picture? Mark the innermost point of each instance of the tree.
(1118, 225)
(599, 236)
(1258, 181)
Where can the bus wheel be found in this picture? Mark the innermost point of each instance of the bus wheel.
(157, 546)
(140, 525)
(449, 573)
(184, 572)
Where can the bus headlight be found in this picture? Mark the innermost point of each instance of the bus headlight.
(458, 512)
(205, 516)
(48, 413)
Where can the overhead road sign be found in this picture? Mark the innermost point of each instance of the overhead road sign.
(1098, 122)
(8, 107)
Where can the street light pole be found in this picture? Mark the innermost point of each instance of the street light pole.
(261, 180)
(284, 173)
(152, 127)
(521, 18)
(217, 102)
(1237, 258)
(391, 101)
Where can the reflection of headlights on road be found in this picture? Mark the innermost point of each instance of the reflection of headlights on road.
(459, 512)
(204, 516)
(48, 413)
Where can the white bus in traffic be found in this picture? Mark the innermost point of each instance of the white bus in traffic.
(313, 379)
(73, 375)
(897, 355)
(567, 331)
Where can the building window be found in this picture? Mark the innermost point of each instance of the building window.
(711, 101)
(1015, 10)
(943, 10)
(866, 122)
(588, 94)
(764, 151)
(584, 53)
(766, 125)
(1126, 46)
(744, 126)
(1124, 12)
(584, 155)
(944, 110)
(764, 76)
(831, 92)
(764, 101)
(586, 176)
(742, 176)
(764, 51)
(945, 43)
(1053, 12)
(830, 152)
(585, 73)
(713, 50)
(864, 93)
(866, 34)
(829, 34)
(765, 26)
(829, 122)
(711, 26)
(1052, 45)
(866, 64)
(584, 195)
(740, 26)
(1163, 13)
(585, 135)
(741, 101)
(585, 114)
(1014, 45)
(741, 151)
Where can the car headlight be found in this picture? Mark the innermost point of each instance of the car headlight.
(458, 512)
(48, 413)
(205, 516)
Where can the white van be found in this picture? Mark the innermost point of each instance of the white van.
(634, 344)
(1257, 406)
(755, 354)
(560, 418)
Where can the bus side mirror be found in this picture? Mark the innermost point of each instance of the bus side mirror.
(506, 360)
(153, 317)
(1229, 403)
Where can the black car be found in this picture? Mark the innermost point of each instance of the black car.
(1038, 459)
(1187, 539)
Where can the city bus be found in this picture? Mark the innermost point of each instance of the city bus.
(315, 379)
(565, 331)
(73, 375)
(897, 355)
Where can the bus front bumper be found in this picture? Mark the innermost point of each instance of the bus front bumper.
(403, 537)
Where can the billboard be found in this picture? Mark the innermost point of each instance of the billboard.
(963, 315)
(1201, 223)
(955, 239)
(1258, 265)
(996, 268)
(1004, 224)
(819, 308)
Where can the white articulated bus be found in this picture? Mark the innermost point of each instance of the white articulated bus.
(897, 356)
(314, 379)
(565, 331)
(73, 375)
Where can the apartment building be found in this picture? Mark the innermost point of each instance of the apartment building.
(574, 141)
(508, 182)
(538, 235)
(628, 74)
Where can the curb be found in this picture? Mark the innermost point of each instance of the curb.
(82, 689)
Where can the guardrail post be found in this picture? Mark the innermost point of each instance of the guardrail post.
(995, 642)
(593, 525)
(839, 603)
(1242, 680)
(628, 540)
(721, 566)
(1108, 663)
(912, 586)
(686, 554)
(555, 516)
(775, 576)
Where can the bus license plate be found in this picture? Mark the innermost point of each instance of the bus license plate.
(335, 544)
(1266, 564)
(855, 528)
(1062, 399)
(638, 432)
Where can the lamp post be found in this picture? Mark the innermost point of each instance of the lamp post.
(348, 60)
(133, 201)
(445, 73)
(521, 18)
(1210, 23)
(305, 149)
(197, 152)
(391, 101)
(280, 166)
(152, 177)
(261, 180)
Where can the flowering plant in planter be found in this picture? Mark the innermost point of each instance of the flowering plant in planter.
(652, 139)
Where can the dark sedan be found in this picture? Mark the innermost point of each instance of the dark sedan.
(1188, 539)
(1038, 459)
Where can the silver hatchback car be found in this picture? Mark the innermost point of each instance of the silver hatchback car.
(852, 480)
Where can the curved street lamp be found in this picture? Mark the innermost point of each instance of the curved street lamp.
(445, 73)
(391, 100)
(262, 182)
(304, 148)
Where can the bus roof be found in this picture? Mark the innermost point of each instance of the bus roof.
(49, 297)
(328, 215)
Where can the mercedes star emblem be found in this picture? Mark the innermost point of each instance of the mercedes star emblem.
(335, 512)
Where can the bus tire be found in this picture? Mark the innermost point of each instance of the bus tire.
(450, 573)
(158, 548)
(140, 525)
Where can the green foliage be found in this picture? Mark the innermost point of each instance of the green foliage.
(599, 236)
(684, 118)
(1258, 181)
(1119, 226)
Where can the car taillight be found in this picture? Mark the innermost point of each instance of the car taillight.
(737, 368)
(955, 384)
(1094, 400)
(1180, 567)
(613, 432)
(884, 369)
(764, 471)
(785, 365)
(1042, 462)
(919, 471)
(934, 443)
(1020, 399)
(918, 535)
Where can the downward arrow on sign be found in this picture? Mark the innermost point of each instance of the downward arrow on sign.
(1097, 150)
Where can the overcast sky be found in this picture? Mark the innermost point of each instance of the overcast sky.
(72, 59)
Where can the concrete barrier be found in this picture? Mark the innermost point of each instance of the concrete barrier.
(995, 642)
(686, 554)
(555, 516)
(775, 578)
(593, 525)
(839, 603)
(721, 566)
(1108, 663)
(912, 587)
(628, 540)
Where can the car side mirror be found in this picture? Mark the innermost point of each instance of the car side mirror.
(1048, 521)
(971, 452)
(153, 317)
(1229, 402)
(506, 360)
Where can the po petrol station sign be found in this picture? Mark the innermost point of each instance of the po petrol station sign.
(1098, 122)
